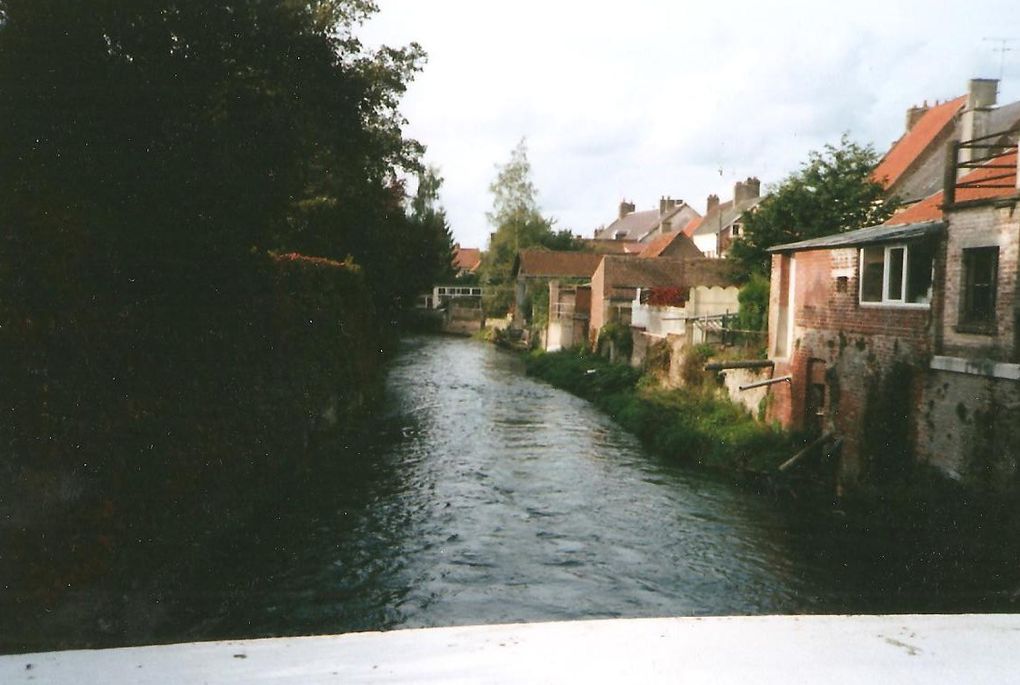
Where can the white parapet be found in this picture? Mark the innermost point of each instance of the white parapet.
(766, 649)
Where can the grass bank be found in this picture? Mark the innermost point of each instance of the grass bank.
(693, 425)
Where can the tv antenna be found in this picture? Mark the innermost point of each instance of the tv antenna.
(1003, 48)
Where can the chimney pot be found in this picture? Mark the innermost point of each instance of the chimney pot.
(713, 202)
(626, 208)
(982, 92)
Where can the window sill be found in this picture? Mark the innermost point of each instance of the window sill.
(983, 328)
(893, 305)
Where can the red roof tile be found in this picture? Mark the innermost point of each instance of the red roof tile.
(914, 142)
(662, 243)
(930, 208)
(690, 228)
(467, 258)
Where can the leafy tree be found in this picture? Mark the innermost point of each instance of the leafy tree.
(518, 224)
(833, 192)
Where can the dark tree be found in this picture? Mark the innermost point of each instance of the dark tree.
(833, 192)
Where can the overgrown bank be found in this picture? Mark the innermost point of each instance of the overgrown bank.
(690, 424)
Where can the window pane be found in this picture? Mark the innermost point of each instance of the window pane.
(895, 274)
(872, 265)
(919, 261)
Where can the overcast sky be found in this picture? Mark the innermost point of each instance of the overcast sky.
(641, 99)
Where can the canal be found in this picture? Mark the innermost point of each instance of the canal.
(480, 495)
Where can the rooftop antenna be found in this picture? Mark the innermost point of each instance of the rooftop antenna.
(1002, 49)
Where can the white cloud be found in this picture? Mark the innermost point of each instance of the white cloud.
(643, 99)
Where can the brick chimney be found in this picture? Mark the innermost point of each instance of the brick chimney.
(666, 204)
(981, 97)
(713, 202)
(752, 187)
(914, 115)
(739, 192)
(626, 208)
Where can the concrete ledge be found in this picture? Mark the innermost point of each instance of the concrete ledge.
(766, 649)
(977, 367)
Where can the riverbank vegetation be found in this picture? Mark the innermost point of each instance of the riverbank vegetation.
(693, 424)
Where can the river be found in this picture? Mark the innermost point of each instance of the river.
(479, 495)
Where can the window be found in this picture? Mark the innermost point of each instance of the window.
(897, 274)
(735, 231)
(977, 295)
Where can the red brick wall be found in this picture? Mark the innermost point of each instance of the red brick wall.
(854, 348)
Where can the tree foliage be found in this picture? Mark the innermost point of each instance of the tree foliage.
(517, 224)
(153, 154)
(833, 192)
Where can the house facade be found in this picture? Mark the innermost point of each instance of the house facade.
(901, 339)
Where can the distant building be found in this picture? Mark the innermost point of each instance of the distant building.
(466, 260)
(672, 215)
(722, 224)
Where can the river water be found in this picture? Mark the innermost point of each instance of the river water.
(480, 495)
(486, 496)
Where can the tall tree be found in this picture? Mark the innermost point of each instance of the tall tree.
(517, 224)
(833, 192)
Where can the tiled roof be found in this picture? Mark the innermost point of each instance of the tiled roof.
(724, 215)
(557, 264)
(637, 225)
(691, 228)
(663, 242)
(914, 142)
(467, 258)
(930, 208)
(623, 274)
(605, 246)
(863, 236)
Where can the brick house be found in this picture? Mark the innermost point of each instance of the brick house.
(902, 338)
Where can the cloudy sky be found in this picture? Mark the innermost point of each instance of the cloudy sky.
(641, 99)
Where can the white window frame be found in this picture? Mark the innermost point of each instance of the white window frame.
(885, 301)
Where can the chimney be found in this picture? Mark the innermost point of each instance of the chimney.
(666, 204)
(626, 208)
(753, 187)
(981, 97)
(739, 192)
(914, 115)
(713, 202)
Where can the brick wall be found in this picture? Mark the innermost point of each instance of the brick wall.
(859, 355)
